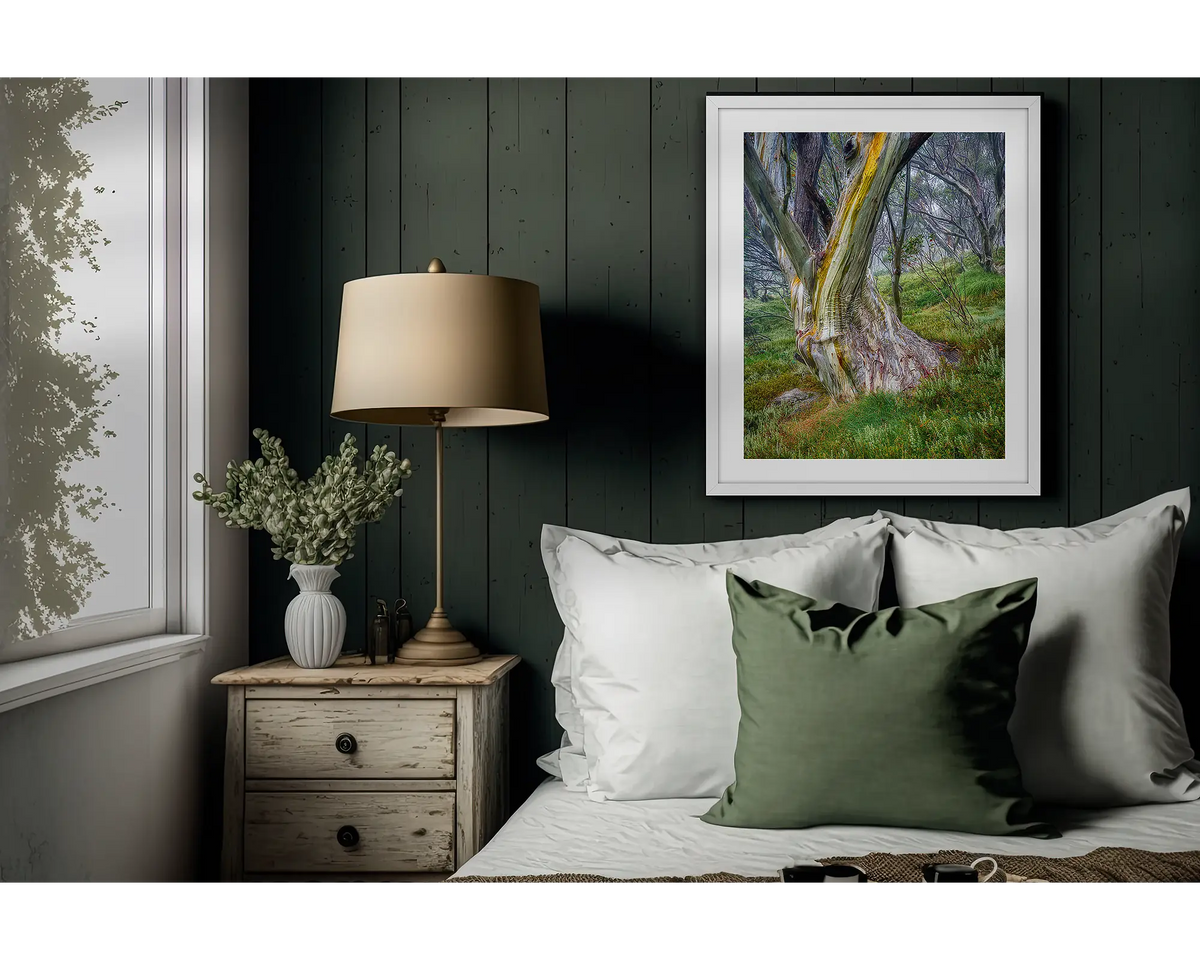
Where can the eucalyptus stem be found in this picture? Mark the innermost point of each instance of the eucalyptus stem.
(310, 521)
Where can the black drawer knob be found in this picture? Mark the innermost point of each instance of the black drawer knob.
(346, 743)
(347, 836)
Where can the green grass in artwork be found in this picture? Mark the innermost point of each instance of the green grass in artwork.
(956, 414)
(973, 283)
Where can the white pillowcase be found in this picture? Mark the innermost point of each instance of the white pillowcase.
(1096, 722)
(654, 674)
(568, 762)
(969, 533)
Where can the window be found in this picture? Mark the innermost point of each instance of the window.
(95, 292)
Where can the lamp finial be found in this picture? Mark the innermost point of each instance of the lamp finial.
(436, 266)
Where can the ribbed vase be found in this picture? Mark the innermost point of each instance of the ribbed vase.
(315, 621)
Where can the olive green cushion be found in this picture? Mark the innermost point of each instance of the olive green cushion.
(896, 717)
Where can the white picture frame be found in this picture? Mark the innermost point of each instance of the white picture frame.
(728, 472)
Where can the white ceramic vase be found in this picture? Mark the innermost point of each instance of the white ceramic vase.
(315, 620)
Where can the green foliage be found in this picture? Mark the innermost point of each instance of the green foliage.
(977, 285)
(956, 414)
(310, 521)
(760, 318)
(940, 324)
(973, 284)
(51, 406)
(767, 314)
(909, 249)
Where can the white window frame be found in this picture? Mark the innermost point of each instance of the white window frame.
(179, 393)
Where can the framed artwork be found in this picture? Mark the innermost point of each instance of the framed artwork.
(873, 298)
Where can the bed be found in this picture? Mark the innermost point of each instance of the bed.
(561, 831)
(688, 670)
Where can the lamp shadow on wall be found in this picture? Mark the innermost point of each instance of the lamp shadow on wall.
(617, 378)
(621, 399)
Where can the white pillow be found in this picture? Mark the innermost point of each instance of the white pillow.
(969, 533)
(568, 762)
(655, 677)
(1096, 722)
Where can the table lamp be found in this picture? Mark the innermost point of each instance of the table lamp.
(443, 350)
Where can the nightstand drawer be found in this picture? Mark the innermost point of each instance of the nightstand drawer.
(371, 739)
(340, 832)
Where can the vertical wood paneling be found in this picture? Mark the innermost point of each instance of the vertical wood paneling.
(527, 481)
(343, 258)
(383, 257)
(285, 291)
(1148, 282)
(608, 303)
(680, 510)
(873, 85)
(1170, 255)
(1141, 397)
(794, 85)
(773, 516)
(835, 507)
(953, 85)
(779, 83)
(946, 85)
(1085, 366)
(443, 205)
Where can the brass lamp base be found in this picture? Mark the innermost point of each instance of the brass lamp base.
(438, 645)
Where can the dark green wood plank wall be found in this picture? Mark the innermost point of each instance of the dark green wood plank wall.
(285, 298)
(343, 258)
(527, 467)
(680, 512)
(608, 306)
(382, 202)
(593, 189)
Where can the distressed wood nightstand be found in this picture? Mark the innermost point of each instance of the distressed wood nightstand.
(363, 772)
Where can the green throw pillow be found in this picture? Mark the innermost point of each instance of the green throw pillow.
(897, 717)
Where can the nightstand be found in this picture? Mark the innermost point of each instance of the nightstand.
(387, 772)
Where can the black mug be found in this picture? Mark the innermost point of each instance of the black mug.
(949, 875)
(827, 873)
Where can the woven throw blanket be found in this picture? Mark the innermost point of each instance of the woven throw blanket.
(1102, 865)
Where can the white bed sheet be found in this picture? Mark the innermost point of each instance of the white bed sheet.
(562, 831)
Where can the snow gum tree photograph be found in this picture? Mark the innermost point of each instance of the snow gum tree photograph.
(874, 295)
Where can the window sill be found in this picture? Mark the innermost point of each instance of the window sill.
(27, 681)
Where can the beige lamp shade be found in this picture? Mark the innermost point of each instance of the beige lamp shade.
(465, 344)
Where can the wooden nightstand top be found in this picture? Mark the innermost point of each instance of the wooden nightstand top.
(356, 670)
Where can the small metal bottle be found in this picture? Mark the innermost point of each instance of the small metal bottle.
(404, 628)
(379, 637)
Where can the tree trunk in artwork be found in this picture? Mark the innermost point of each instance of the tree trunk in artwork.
(845, 332)
(899, 238)
(988, 260)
